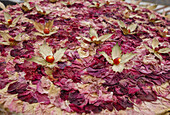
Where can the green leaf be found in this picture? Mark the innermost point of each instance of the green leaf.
(155, 43)
(45, 50)
(38, 60)
(7, 16)
(152, 7)
(59, 54)
(104, 37)
(93, 32)
(164, 50)
(121, 24)
(126, 57)
(118, 68)
(116, 51)
(132, 27)
(2, 6)
(87, 39)
(158, 55)
(109, 59)
(149, 49)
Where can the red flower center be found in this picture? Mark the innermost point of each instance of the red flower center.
(128, 30)
(9, 21)
(50, 59)
(92, 38)
(11, 39)
(46, 31)
(116, 61)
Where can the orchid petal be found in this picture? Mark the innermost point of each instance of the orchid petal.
(45, 50)
(104, 37)
(116, 51)
(18, 37)
(158, 56)
(132, 27)
(164, 50)
(59, 54)
(16, 20)
(118, 68)
(2, 6)
(5, 36)
(149, 49)
(39, 27)
(93, 32)
(49, 24)
(7, 16)
(126, 57)
(155, 43)
(38, 60)
(109, 59)
(87, 39)
(121, 24)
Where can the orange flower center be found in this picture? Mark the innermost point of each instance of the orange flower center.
(50, 59)
(116, 61)
(46, 31)
(9, 21)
